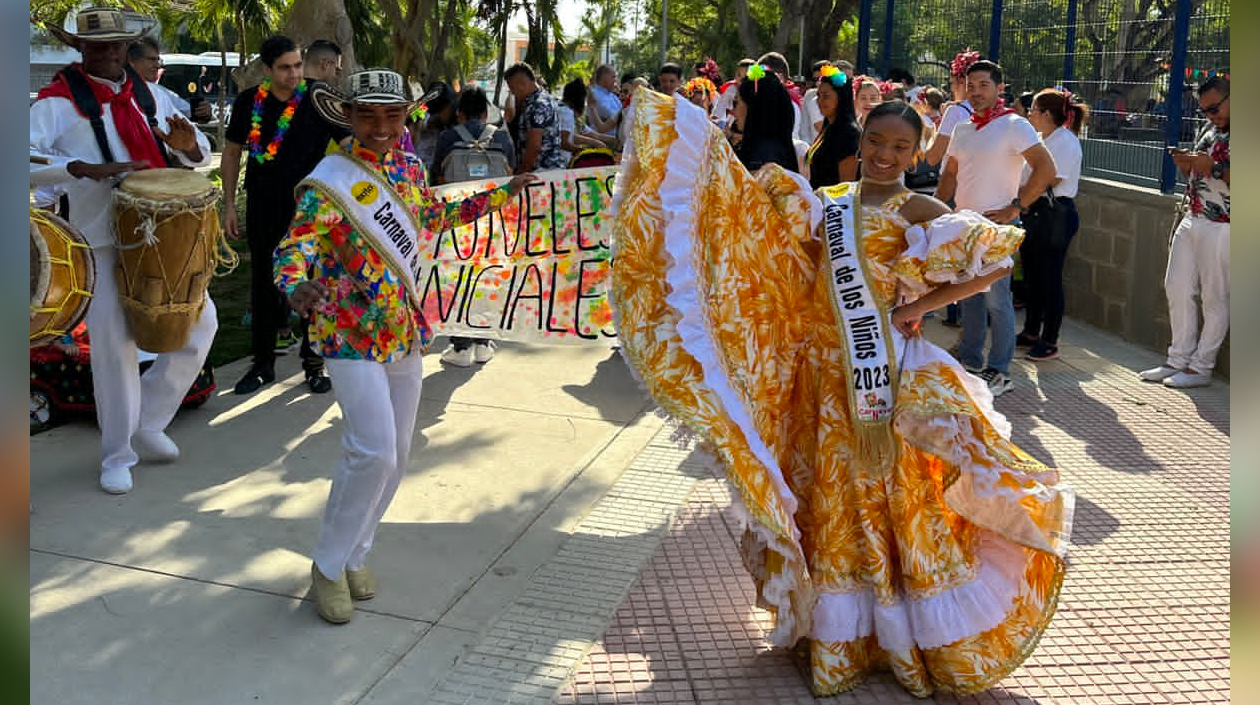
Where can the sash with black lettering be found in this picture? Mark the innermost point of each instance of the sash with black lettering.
(368, 200)
(869, 359)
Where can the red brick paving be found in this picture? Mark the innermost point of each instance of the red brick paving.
(1144, 613)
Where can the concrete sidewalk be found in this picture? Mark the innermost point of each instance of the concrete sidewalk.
(193, 587)
(569, 550)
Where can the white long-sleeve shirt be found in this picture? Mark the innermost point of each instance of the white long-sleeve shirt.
(61, 135)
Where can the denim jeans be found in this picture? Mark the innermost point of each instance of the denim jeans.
(980, 311)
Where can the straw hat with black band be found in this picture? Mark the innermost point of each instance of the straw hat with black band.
(367, 87)
(104, 25)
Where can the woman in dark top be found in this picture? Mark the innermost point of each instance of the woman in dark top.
(764, 115)
(833, 158)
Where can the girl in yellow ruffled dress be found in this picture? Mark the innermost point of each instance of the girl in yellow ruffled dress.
(890, 520)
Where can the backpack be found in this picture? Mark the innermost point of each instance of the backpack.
(474, 159)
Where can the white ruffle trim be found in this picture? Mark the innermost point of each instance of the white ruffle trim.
(921, 241)
(932, 622)
(678, 202)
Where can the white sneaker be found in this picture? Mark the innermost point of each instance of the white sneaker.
(483, 352)
(1186, 380)
(458, 358)
(998, 383)
(1158, 374)
(116, 480)
(155, 447)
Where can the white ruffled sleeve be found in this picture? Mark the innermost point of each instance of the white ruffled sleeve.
(956, 247)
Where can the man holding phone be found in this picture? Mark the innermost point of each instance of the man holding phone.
(1198, 254)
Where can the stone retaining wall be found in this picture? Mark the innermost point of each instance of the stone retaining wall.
(1114, 277)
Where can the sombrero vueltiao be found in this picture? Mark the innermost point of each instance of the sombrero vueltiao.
(368, 87)
(101, 24)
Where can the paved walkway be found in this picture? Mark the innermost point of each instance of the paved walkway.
(1144, 615)
(552, 543)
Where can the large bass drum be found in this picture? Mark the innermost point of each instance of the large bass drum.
(63, 275)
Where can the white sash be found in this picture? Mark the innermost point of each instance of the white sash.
(369, 201)
(869, 362)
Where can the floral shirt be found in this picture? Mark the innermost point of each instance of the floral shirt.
(1209, 196)
(542, 113)
(367, 314)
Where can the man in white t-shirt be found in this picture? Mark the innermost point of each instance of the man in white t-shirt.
(811, 116)
(987, 155)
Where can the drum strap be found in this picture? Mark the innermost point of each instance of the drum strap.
(90, 108)
(144, 97)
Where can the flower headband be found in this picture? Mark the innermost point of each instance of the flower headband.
(421, 112)
(834, 76)
(958, 67)
(698, 84)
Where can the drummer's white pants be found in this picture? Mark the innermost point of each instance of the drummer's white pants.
(125, 401)
(378, 404)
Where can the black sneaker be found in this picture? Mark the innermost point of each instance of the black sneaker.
(318, 381)
(255, 378)
(1043, 351)
(1024, 340)
(998, 383)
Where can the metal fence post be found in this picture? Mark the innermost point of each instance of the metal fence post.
(864, 37)
(1069, 45)
(1176, 85)
(995, 32)
(886, 50)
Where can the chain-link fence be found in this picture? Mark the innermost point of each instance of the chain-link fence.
(1118, 56)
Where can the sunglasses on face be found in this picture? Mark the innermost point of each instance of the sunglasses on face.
(1214, 108)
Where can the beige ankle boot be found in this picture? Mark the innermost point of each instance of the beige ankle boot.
(332, 597)
(362, 584)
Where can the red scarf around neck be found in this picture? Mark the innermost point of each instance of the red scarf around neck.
(794, 91)
(130, 123)
(990, 115)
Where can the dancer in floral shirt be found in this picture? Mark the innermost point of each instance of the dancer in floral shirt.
(1198, 255)
(345, 261)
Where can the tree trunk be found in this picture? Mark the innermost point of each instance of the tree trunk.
(498, 75)
(823, 19)
(789, 22)
(306, 21)
(223, 84)
(747, 30)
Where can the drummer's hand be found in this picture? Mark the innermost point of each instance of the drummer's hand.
(231, 224)
(518, 183)
(101, 172)
(182, 136)
(307, 296)
(907, 321)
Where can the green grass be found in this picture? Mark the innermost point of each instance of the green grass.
(231, 294)
(231, 297)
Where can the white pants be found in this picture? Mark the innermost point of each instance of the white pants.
(125, 401)
(1198, 267)
(378, 404)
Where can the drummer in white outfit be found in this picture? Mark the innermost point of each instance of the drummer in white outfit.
(132, 413)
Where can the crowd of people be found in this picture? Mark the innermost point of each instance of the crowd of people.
(869, 150)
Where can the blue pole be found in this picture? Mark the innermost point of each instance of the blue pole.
(1176, 85)
(1069, 45)
(995, 32)
(886, 50)
(864, 37)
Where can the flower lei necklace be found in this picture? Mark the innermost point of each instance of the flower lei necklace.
(256, 150)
